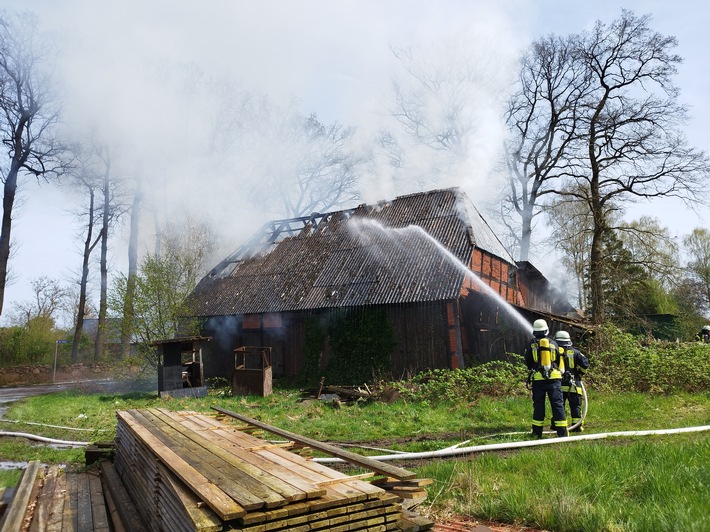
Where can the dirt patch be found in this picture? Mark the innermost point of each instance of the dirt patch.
(461, 524)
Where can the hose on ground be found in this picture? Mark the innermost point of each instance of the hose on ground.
(460, 451)
(45, 440)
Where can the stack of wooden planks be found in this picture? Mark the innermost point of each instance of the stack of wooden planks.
(48, 499)
(189, 471)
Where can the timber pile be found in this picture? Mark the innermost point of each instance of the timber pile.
(48, 499)
(189, 471)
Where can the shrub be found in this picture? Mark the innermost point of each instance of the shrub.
(496, 378)
(622, 362)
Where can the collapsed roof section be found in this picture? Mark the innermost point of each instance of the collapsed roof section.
(411, 249)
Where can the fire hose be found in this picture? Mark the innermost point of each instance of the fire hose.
(459, 451)
(52, 441)
(584, 408)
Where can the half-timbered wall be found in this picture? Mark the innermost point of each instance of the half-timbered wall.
(494, 272)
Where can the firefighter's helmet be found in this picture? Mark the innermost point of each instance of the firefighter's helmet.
(540, 328)
(706, 327)
(563, 338)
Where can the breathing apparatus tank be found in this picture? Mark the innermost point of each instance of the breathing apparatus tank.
(545, 357)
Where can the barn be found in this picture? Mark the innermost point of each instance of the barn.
(415, 283)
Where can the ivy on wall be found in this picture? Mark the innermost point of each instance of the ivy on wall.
(361, 342)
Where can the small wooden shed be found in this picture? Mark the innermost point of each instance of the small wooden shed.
(252, 371)
(180, 369)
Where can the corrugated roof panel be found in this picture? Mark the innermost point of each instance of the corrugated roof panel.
(381, 254)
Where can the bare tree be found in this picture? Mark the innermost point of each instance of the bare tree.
(438, 105)
(113, 207)
(305, 165)
(633, 146)
(128, 298)
(571, 236)
(103, 262)
(48, 298)
(88, 181)
(603, 119)
(697, 245)
(436, 109)
(28, 116)
(542, 117)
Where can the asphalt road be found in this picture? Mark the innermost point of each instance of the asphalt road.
(11, 394)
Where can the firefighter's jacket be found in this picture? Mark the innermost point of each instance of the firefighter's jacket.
(535, 355)
(575, 364)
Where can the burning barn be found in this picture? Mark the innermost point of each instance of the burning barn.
(399, 274)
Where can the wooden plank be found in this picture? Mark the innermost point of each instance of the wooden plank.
(85, 520)
(223, 505)
(114, 516)
(99, 515)
(244, 461)
(354, 517)
(221, 435)
(44, 500)
(136, 466)
(69, 517)
(56, 507)
(393, 482)
(353, 458)
(13, 518)
(344, 485)
(345, 479)
(202, 518)
(248, 492)
(125, 507)
(312, 471)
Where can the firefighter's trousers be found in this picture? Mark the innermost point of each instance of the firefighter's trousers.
(552, 389)
(572, 394)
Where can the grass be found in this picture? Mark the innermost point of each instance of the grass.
(658, 483)
(650, 483)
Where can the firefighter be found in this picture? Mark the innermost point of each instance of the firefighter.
(704, 334)
(546, 368)
(575, 366)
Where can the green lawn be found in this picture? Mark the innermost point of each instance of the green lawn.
(639, 483)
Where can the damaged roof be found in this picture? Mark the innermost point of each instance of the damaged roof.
(410, 249)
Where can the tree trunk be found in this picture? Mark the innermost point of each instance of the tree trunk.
(596, 276)
(8, 202)
(81, 310)
(101, 329)
(598, 223)
(128, 306)
(526, 233)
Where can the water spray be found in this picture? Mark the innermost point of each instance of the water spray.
(365, 223)
(360, 223)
